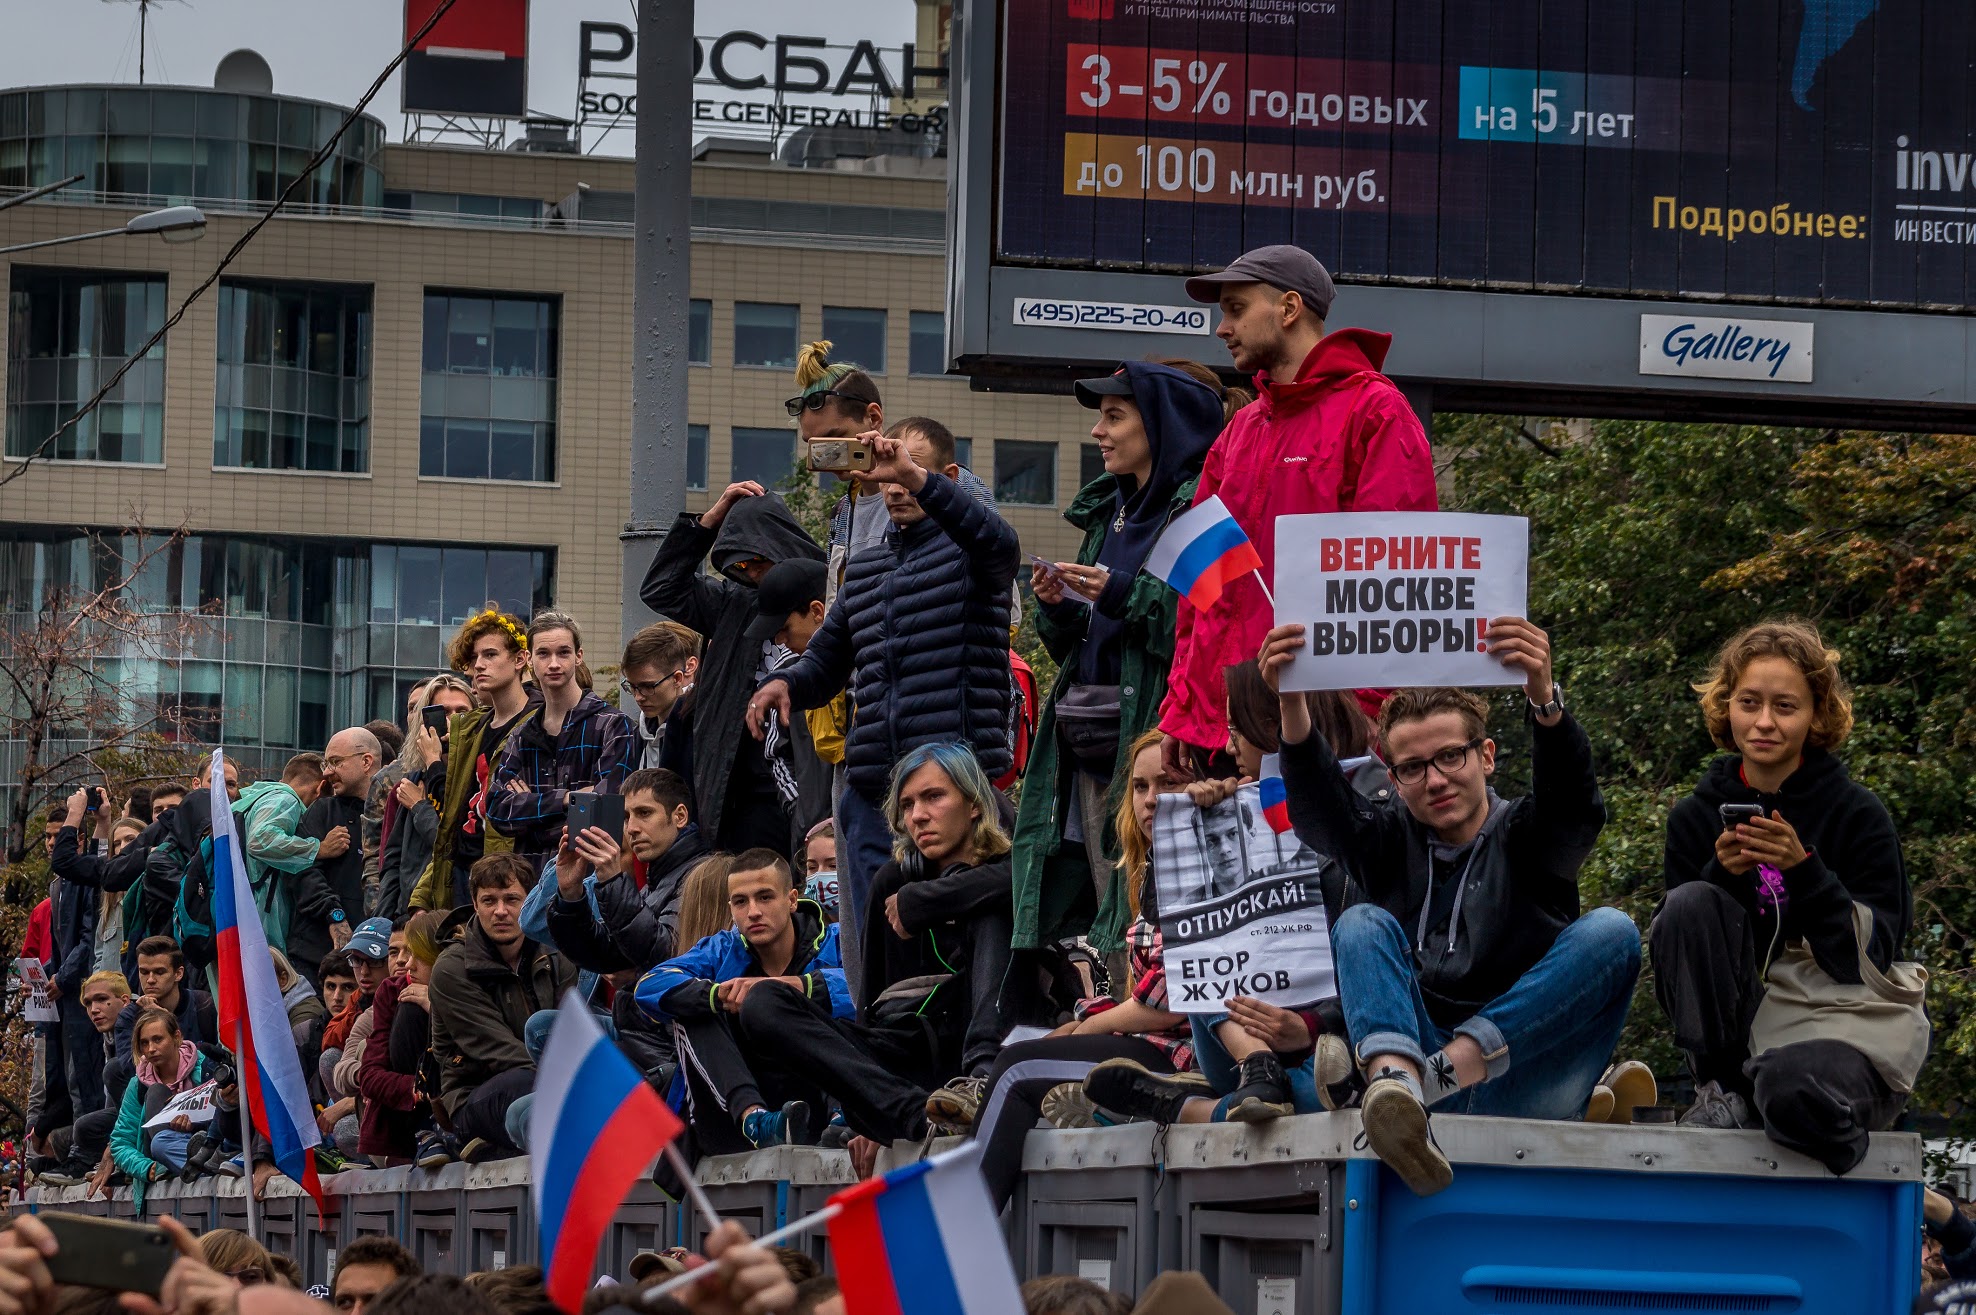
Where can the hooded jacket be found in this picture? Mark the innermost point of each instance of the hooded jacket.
(683, 986)
(480, 1005)
(614, 926)
(1134, 617)
(1478, 917)
(920, 631)
(722, 607)
(1853, 855)
(595, 750)
(388, 1115)
(272, 811)
(1341, 438)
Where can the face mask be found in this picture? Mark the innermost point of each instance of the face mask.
(822, 887)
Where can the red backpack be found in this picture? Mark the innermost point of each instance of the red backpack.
(1023, 713)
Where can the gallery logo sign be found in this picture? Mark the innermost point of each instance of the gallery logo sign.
(1697, 347)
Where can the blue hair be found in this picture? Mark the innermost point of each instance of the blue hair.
(964, 770)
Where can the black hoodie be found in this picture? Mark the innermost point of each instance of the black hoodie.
(729, 774)
(1853, 852)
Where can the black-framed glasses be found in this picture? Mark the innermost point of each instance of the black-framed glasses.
(1448, 761)
(795, 406)
(639, 687)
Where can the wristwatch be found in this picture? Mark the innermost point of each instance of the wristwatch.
(336, 915)
(1554, 707)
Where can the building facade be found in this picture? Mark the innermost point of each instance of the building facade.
(410, 393)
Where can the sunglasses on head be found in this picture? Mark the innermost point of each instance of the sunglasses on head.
(795, 406)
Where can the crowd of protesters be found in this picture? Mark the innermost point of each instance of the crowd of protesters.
(850, 848)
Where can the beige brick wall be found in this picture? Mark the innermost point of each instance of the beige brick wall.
(581, 514)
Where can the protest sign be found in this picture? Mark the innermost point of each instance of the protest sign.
(1398, 598)
(34, 980)
(1241, 908)
(198, 1104)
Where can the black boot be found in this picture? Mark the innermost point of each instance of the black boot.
(1262, 1091)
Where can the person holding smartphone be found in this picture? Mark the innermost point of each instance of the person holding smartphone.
(1777, 843)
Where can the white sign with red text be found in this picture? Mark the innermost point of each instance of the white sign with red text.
(1394, 598)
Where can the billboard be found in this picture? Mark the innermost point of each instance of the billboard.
(474, 62)
(1805, 156)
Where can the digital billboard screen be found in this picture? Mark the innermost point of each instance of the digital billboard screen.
(1792, 151)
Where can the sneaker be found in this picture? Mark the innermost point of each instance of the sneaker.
(1716, 1108)
(1632, 1086)
(58, 1178)
(836, 1134)
(1129, 1088)
(232, 1168)
(1396, 1127)
(195, 1165)
(433, 1151)
(1262, 1091)
(1067, 1105)
(1601, 1105)
(330, 1160)
(788, 1126)
(1333, 1058)
(955, 1106)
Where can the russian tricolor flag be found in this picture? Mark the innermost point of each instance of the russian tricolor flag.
(1275, 795)
(924, 1240)
(251, 1013)
(1202, 551)
(594, 1130)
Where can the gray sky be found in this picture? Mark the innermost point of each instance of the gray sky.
(331, 49)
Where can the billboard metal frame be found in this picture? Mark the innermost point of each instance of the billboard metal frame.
(1453, 349)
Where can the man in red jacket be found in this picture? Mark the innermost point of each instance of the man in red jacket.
(1327, 432)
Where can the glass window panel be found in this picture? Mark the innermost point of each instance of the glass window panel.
(435, 334)
(1025, 473)
(512, 451)
(764, 334)
(964, 452)
(313, 710)
(278, 709)
(1090, 463)
(432, 445)
(84, 114)
(242, 706)
(463, 584)
(700, 332)
(219, 114)
(510, 581)
(418, 585)
(466, 449)
(171, 112)
(298, 124)
(856, 335)
(767, 456)
(696, 457)
(929, 342)
(129, 111)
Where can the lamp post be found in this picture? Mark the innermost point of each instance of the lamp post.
(178, 223)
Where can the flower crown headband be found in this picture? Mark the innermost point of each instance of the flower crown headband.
(499, 617)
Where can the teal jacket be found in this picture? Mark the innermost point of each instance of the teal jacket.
(1052, 877)
(272, 811)
(130, 1140)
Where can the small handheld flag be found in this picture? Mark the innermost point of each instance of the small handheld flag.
(251, 1010)
(1275, 795)
(924, 1240)
(595, 1128)
(1202, 551)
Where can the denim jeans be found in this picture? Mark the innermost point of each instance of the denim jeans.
(864, 845)
(1547, 1039)
(1224, 1074)
(535, 1037)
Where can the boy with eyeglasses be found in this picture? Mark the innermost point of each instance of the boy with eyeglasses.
(1469, 981)
(658, 669)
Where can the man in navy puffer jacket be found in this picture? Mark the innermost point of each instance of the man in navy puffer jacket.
(920, 631)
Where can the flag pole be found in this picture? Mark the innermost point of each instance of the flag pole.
(809, 1223)
(694, 1192)
(240, 1081)
(1265, 589)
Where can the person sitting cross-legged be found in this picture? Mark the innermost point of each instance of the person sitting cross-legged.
(1470, 980)
(738, 1095)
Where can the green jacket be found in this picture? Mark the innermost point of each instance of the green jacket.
(273, 811)
(1052, 877)
(434, 888)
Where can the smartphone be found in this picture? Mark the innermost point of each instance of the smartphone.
(434, 716)
(98, 801)
(1734, 815)
(587, 808)
(840, 454)
(109, 1253)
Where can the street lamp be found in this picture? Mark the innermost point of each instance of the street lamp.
(178, 223)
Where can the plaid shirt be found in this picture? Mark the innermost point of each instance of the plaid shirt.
(597, 748)
(1149, 989)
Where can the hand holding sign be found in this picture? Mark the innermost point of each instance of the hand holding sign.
(1521, 646)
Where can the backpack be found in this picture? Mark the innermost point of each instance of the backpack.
(192, 912)
(1024, 711)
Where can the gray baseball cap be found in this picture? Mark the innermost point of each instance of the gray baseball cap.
(1286, 268)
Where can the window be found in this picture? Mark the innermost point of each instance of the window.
(696, 458)
(764, 334)
(767, 456)
(700, 332)
(964, 452)
(487, 407)
(68, 332)
(292, 391)
(929, 342)
(1026, 473)
(857, 336)
(1090, 463)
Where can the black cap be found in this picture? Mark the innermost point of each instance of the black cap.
(787, 587)
(1093, 392)
(1285, 268)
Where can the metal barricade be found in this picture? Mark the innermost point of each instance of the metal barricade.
(1093, 1203)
